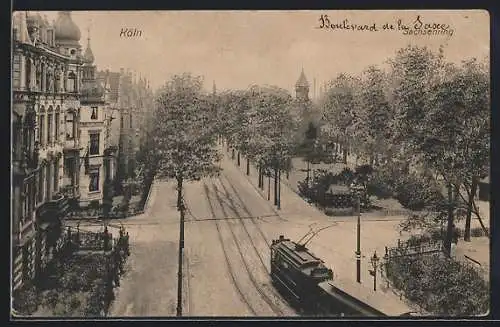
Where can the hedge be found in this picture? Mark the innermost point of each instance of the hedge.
(440, 285)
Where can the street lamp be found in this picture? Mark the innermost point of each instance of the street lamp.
(358, 234)
(374, 260)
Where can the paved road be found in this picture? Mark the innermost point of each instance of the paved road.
(229, 224)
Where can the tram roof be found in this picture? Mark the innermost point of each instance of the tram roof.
(387, 303)
(299, 255)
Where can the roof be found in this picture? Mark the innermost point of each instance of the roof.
(339, 189)
(302, 81)
(387, 303)
(300, 257)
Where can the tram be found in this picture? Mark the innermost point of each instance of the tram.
(309, 286)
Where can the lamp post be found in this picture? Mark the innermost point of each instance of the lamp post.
(374, 260)
(358, 241)
(356, 193)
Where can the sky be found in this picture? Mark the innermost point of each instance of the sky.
(239, 48)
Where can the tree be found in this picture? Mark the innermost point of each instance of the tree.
(340, 108)
(442, 121)
(373, 132)
(185, 135)
(456, 134)
(185, 130)
(265, 129)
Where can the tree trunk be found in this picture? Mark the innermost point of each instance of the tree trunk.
(232, 154)
(449, 230)
(179, 193)
(238, 158)
(260, 177)
(469, 209)
(248, 166)
(307, 174)
(275, 186)
(181, 246)
(279, 189)
(269, 188)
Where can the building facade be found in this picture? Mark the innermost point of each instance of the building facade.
(46, 63)
(68, 124)
(91, 133)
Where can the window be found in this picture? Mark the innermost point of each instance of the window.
(50, 37)
(41, 188)
(49, 128)
(94, 143)
(41, 129)
(70, 129)
(121, 122)
(56, 125)
(16, 71)
(71, 82)
(130, 120)
(28, 73)
(94, 181)
(48, 182)
(56, 175)
(16, 137)
(94, 113)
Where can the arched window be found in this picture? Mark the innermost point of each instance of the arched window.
(57, 81)
(28, 73)
(16, 136)
(41, 126)
(71, 82)
(70, 122)
(29, 139)
(50, 125)
(57, 123)
(43, 73)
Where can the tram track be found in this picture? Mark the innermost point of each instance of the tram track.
(226, 256)
(245, 208)
(249, 235)
(274, 308)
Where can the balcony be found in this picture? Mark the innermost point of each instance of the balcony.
(71, 144)
(70, 191)
(53, 209)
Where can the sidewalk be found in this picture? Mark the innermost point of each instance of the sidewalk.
(334, 245)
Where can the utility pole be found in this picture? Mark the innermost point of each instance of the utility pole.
(358, 241)
(181, 208)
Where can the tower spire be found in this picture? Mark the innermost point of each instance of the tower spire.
(89, 56)
(214, 88)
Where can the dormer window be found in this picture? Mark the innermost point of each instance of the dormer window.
(72, 52)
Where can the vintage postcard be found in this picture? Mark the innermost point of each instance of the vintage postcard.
(324, 163)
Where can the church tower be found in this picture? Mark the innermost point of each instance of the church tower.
(89, 69)
(302, 87)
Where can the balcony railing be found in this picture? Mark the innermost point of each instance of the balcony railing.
(70, 191)
(71, 143)
(54, 209)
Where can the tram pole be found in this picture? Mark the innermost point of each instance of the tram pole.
(181, 248)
